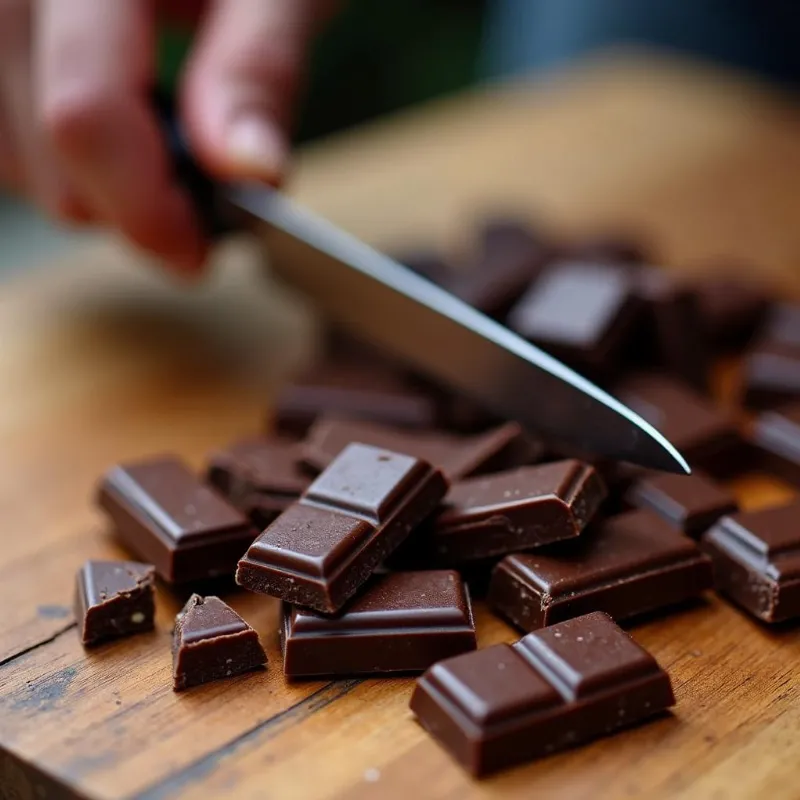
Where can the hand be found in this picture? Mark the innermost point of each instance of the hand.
(77, 133)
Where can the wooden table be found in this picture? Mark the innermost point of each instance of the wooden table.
(102, 362)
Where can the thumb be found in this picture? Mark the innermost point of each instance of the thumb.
(240, 84)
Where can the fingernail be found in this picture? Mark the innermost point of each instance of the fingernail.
(257, 148)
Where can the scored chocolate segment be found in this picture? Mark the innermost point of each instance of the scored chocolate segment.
(325, 546)
(705, 435)
(113, 599)
(261, 476)
(691, 503)
(457, 456)
(776, 437)
(626, 566)
(163, 513)
(516, 510)
(553, 689)
(756, 557)
(401, 622)
(211, 641)
(579, 312)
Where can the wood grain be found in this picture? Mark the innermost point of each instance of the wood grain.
(101, 362)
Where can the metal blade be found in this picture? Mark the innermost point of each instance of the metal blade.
(388, 305)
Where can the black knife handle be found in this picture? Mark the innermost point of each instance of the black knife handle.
(200, 187)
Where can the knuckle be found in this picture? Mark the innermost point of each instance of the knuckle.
(73, 119)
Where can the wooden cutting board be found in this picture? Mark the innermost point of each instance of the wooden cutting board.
(101, 361)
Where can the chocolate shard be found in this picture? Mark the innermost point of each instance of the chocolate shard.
(165, 514)
(553, 689)
(628, 565)
(691, 503)
(401, 622)
(776, 438)
(770, 375)
(362, 390)
(325, 546)
(705, 435)
(516, 510)
(756, 557)
(607, 249)
(582, 313)
(261, 476)
(114, 599)
(211, 641)
(457, 456)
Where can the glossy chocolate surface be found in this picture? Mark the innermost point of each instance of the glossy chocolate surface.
(401, 622)
(756, 556)
(704, 434)
(325, 546)
(691, 503)
(163, 513)
(457, 456)
(626, 565)
(553, 689)
(211, 641)
(579, 312)
(516, 510)
(113, 599)
(776, 438)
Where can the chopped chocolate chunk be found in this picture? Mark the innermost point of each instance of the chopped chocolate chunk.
(113, 599)
(771, 375)
(776, 437)
(553, 689)
(211, 641)
(164, 514)
(625, 566)
(325, 546)
(401, 622)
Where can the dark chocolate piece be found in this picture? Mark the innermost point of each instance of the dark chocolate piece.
(457, 456)
(582, 313)
(516, 510)
(705, 435)
(358, 391)
(211, 641)
(782, 325)
(691, 503)
(553, 689)
(324, 547)
(261, 476)
(164, 514)
(771, 375)
(756, 558)
(606, 249)
(776, 437)
(429, 265)
(401, 622)
(113, 599)
(731, 309)
(625, 566)
(674, 330)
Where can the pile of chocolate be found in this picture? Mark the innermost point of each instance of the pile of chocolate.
(385, 503)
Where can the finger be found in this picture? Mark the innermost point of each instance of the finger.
(240, 84)
(95, 70)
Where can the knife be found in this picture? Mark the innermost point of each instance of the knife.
(389, 306)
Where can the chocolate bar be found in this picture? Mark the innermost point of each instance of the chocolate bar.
(691, 503)
(553, 689)
(324, 547)
(260, 476)
(457, 456)
(704, 434)
(579, 312)
(165, 515)
(401, 622)
(756, 557)
(771, 375)
(516, 510)
(776, 438)
(211, 641)
(114, 599)
(627, 565)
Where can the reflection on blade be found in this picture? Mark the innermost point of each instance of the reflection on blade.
(386, 304)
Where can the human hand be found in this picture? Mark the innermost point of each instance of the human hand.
(78, 135)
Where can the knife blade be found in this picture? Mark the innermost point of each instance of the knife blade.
(388, 305)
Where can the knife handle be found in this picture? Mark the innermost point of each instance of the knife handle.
(201, 188)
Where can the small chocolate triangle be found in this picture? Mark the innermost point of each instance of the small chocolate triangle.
(211, 641)
(113, 599)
